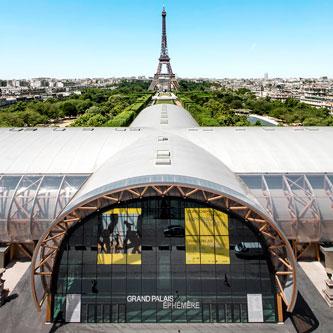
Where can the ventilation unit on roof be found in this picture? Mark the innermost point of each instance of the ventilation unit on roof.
(163, 161)
(88, 129)
(163, 154)
(163, 157)
(59, 129)
(312, 129)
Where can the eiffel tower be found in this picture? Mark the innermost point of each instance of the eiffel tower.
(164, 81)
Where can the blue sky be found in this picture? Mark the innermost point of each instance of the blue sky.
(207, 38)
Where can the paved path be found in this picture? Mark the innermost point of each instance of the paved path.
(14, 272)
(311, 313)
(172, 328)
(315, 271)
(18, 314)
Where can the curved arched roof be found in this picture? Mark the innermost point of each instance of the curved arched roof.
(164, 116)
(184, 159)
(165, 140)
(242, 150)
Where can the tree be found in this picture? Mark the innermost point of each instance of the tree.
(69, 109)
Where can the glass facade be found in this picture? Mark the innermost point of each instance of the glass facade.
(161, 260)
(301, 204)
(29, 203)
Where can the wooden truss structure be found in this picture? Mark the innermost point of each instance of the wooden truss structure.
(278, 246)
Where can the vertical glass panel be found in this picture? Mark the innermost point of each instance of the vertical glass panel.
(222, 250)
(269, 309)
(99, 313)
(149, 312)
(244, 317)
(59, 308)
(8, 185)
(45, 203)
(192, 221)
(21, 209)
(221, 223)
(221, 317)
(228, 313)
(207, 252)
(179, 316)
(91, 313)
(114, 313)
(107, 313)
(206, 221)
(133, 312)
(69, 186)
(163, 315)
(206, 313)
(192, 250)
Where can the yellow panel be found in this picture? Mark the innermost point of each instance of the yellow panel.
(134, 258)
(221, 223)
(103, 259)
(222, 250)
(206, 221)
(118, 258)
(134, 211)
(124, 211)
(192, 221)
(207, 250)
(192, 250)
(118, 211)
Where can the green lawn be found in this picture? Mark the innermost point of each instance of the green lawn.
(165, 101)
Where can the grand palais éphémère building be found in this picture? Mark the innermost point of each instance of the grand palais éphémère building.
(165, 221)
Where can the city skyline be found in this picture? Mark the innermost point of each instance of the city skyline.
(234, 39)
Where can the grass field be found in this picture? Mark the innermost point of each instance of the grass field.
(165, 101)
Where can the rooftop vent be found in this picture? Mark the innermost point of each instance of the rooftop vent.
(163, 154)
(59, 129)
(30, 129)
(88, 129)
(163, 157)
(312, 129)
(15, 129)
(163, 161)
